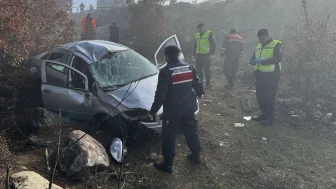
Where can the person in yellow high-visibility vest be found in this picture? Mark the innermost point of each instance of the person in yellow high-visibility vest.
(266, 62)
(204, 50)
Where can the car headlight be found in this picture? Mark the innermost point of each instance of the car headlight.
(116, 149)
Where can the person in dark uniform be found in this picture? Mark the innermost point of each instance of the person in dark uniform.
(266, 62)
(114, 33)
(231, 50)
(177, 90)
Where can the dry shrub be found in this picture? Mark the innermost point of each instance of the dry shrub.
(310, 69)
(28, 28)
(148, 27)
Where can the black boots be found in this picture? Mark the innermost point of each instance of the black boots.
(161, 166)
(194, 158)
(263, 120)
(258, 118)
(168, 169)
(268, 121)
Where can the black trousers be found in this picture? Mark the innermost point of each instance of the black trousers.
(231, 67)
(266, 88)
(203, 64)
(171, 127)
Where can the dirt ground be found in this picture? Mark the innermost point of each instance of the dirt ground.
(292, 157)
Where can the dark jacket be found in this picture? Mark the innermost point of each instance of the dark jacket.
(212, 41)
(177, 89)
(277, 57)
(114, 34)
(232, 45)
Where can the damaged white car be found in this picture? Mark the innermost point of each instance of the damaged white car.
(97, 80)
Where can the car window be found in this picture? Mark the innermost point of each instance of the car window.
(161, 55)
(54, 76)
(120, 68)
(62, 58)
(44, 57)
(78, 81)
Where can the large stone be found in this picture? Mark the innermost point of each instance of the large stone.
(43, 118)
(84, 154)
(30, 180)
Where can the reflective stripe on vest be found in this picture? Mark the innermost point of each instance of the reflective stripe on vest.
(265, 53)
(203, 43)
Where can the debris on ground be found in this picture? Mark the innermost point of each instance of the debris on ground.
(204, 100)
(226, 134)
(239, 125)
(247, 118)
(318, 114)
(328, 116)
(263, 140)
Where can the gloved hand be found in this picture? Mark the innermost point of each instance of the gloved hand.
(193, 58)
(255, 61)
(211, 57)
(252, 61)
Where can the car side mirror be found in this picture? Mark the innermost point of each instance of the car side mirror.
(34, 70)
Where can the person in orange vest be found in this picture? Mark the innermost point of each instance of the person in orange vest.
(231, 50)
(88, 27)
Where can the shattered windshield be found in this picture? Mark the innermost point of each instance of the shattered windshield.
(120, 68)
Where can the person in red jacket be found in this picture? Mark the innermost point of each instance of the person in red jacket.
(88, 27)
(232, 49)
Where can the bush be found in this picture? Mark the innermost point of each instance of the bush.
(310, 69)
(148, 27)
(28, 28)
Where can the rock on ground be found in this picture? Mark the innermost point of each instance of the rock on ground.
(30, 180)
(86, 154)
(43, 119)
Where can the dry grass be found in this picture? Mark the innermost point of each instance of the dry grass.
(292, 157)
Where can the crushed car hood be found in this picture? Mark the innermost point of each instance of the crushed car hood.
(139, 94)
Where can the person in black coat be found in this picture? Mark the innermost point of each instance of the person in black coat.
(177, 90)
(114, 33)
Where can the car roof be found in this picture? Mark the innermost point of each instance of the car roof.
(93, 49)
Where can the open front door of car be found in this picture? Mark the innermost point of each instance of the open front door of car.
(159, 55)
(58, 92)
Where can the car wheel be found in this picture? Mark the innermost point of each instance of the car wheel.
(110, 127)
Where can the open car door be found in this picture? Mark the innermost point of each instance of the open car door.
(58, 92)
(159, 55)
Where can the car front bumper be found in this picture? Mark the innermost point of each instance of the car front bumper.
(156, 126)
